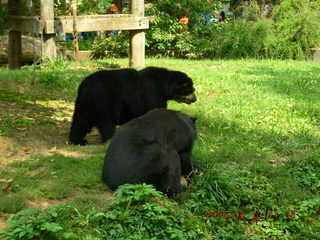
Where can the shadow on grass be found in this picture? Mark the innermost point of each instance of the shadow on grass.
(223, 141)
(56, 179)
(300, 85)
(57, 81)
(284, 164)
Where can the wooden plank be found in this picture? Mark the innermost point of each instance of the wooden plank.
(26, 24)
(137, 37)
(49, 50)
(14, 49)
(87, 23)
(92, 23)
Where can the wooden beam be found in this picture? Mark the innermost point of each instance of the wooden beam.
(26, 24)
(137, 37)
(49, 50)
(85, 23)
(92, 23)
(14, 49)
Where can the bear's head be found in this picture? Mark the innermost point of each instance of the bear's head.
(183, 90)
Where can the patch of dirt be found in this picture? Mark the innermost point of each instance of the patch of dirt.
(212, 95)
(2, 223)
(36, 128)
(44, 203)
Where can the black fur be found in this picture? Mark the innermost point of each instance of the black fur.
(154, 149)
(109, 98)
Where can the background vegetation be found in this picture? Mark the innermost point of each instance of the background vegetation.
(288, 31)
(258, 141)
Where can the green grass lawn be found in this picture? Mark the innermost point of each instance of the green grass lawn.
(258, 141)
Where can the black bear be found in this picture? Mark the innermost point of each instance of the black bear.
(113, 97)
(154, 149)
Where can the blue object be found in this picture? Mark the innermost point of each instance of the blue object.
(205, 19)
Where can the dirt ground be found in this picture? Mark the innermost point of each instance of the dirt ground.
(46, 134)
(38, 139)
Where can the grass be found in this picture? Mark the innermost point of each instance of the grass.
(258, 141)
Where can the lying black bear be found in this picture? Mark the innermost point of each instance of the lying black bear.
(154, 149)
(109, 98)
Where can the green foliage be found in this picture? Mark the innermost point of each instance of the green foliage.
(143, 213)
(238, 39)
(140, 212)
(291, 33)
(11, 203)
(165, 36)
(297, 29)
(231, 189)
(49, 75)
(306, 172)
(93, 7)
(37, 224)
(62, 7)
(113, 45)
(168, 41)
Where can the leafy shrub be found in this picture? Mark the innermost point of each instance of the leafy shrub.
(11, 203)
(140, 212)
(297, 29)
(113, 45)
(35, 224)
(291, 33)
(143, 213)
(306, 172)
(239, 39)
(165, 36)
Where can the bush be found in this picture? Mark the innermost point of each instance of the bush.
(11, 203)
(140, 212)
(143, 213)
(290, 34)
(165, 36)
(297, 29)
(113, 45)
(238, 39)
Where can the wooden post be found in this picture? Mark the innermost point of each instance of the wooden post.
(49, 50)
(75, 31)
(137, 37)
(14, 49)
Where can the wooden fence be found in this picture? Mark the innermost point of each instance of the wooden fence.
(48, 25)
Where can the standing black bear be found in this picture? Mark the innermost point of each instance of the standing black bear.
(109, 98)
(154, 149)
